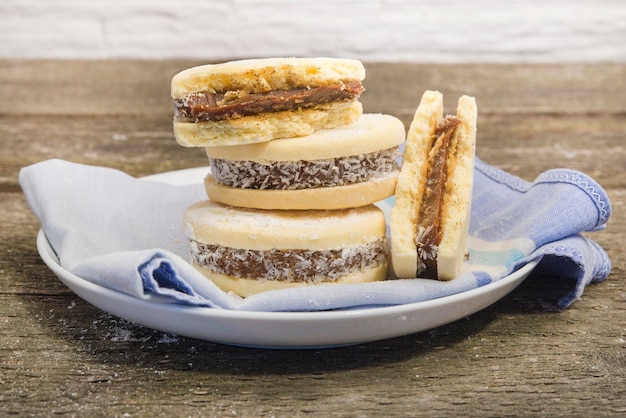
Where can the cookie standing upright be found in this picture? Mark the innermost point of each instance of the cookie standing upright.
(430, 218)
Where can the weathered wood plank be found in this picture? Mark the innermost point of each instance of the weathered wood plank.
(142, 87)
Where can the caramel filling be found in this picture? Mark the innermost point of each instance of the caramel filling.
(207, 106)
(298, 175)
(428, 234)
(290, 265)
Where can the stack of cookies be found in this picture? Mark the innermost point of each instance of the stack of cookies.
(295, 170)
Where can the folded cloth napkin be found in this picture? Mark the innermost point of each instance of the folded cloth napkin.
(126, 234)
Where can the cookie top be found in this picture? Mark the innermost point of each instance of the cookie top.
(213, 223)
(263, 75)
(370, 133)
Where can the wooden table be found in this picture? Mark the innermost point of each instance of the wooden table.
(521, 356)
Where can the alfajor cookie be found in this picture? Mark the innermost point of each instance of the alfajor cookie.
(257, 100)
(348, 166)
(431, 215)
(247, 251)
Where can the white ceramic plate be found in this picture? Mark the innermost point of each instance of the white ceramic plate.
(280, 329)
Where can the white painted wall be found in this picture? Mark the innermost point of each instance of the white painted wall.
(372, 30)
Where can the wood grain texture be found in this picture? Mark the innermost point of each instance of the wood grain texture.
(520, 357)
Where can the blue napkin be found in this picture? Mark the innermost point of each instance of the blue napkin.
(126, 234)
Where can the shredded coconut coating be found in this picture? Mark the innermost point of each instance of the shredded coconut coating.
(426, 251)
(296, 175)
(290, 265)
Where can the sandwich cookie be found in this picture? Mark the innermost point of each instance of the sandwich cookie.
(247, 251)
(257, 100)
(430, 218)
(348, 166)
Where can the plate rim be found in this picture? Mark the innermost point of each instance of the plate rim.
(479, 296)
(51, 260)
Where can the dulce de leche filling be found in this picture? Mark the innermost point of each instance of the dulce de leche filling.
(207, 106)
(428, 234)
(298, 175)
(312, 266)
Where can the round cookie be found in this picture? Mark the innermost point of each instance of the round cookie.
(258, 100)
(348, 166)
(246, 251)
